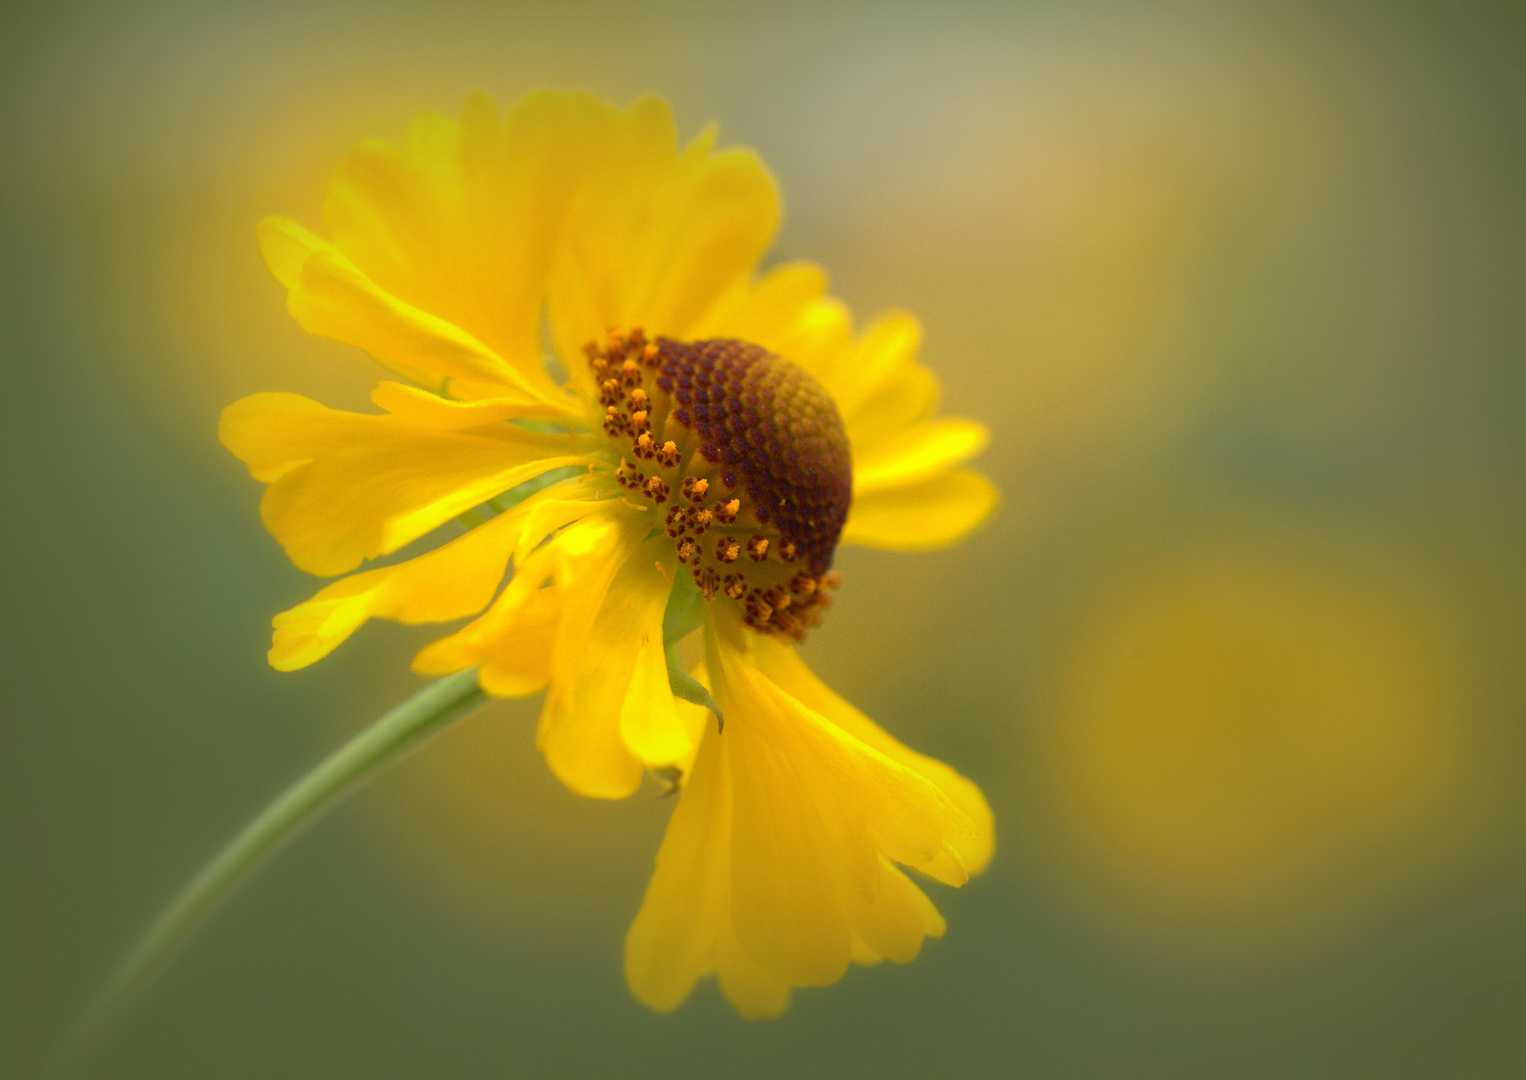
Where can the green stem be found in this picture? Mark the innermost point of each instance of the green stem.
(405, 727)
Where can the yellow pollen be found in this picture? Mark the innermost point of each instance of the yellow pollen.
(639, 401)
(727, 512)
(639, 421)
(695, 488)
(727, 549)
(687, 549)
(757, 548)
(656, 490)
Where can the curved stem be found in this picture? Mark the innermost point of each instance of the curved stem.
(386, 740)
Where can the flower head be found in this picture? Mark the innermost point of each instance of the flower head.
(654, 445)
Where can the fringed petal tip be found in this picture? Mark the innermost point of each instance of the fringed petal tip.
(778, 868)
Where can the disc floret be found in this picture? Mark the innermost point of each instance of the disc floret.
(750, 457)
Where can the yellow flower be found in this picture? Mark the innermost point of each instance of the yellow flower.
(666, 449)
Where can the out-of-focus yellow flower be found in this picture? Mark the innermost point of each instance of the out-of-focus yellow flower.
(1264, 742)
(661, 445)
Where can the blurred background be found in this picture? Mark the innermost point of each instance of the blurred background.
(1239, 662)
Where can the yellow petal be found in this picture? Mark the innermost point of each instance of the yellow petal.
(900, 917)
(817, 340)
(757, 876)
(331, 297)
(655, 237)
(431, 410)
(511, 645)
(786, 885)
(673, 942)
(814, 810)
(286, 246)
(783, 665)
(595, 657)
(886, 348)
(916, 453)
(930, 513)
(862, 954)
(345, 487)
(512, 641)
(947, 867)
(752, 991)
(447, 583)
(906, 817)
(684, 931)
(766, 311)
(462, 221)
(901, 399)
(726, 218)
(649, 720)
(546, 515)
(520, 664)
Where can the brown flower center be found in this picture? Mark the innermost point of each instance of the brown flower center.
(750, 458)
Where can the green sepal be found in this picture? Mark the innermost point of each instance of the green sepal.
(689, 688)
(685, 612)
(684, 615)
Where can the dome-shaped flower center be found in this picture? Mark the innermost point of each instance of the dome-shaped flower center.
(750, 459)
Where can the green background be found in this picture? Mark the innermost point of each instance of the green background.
(1237, 292)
